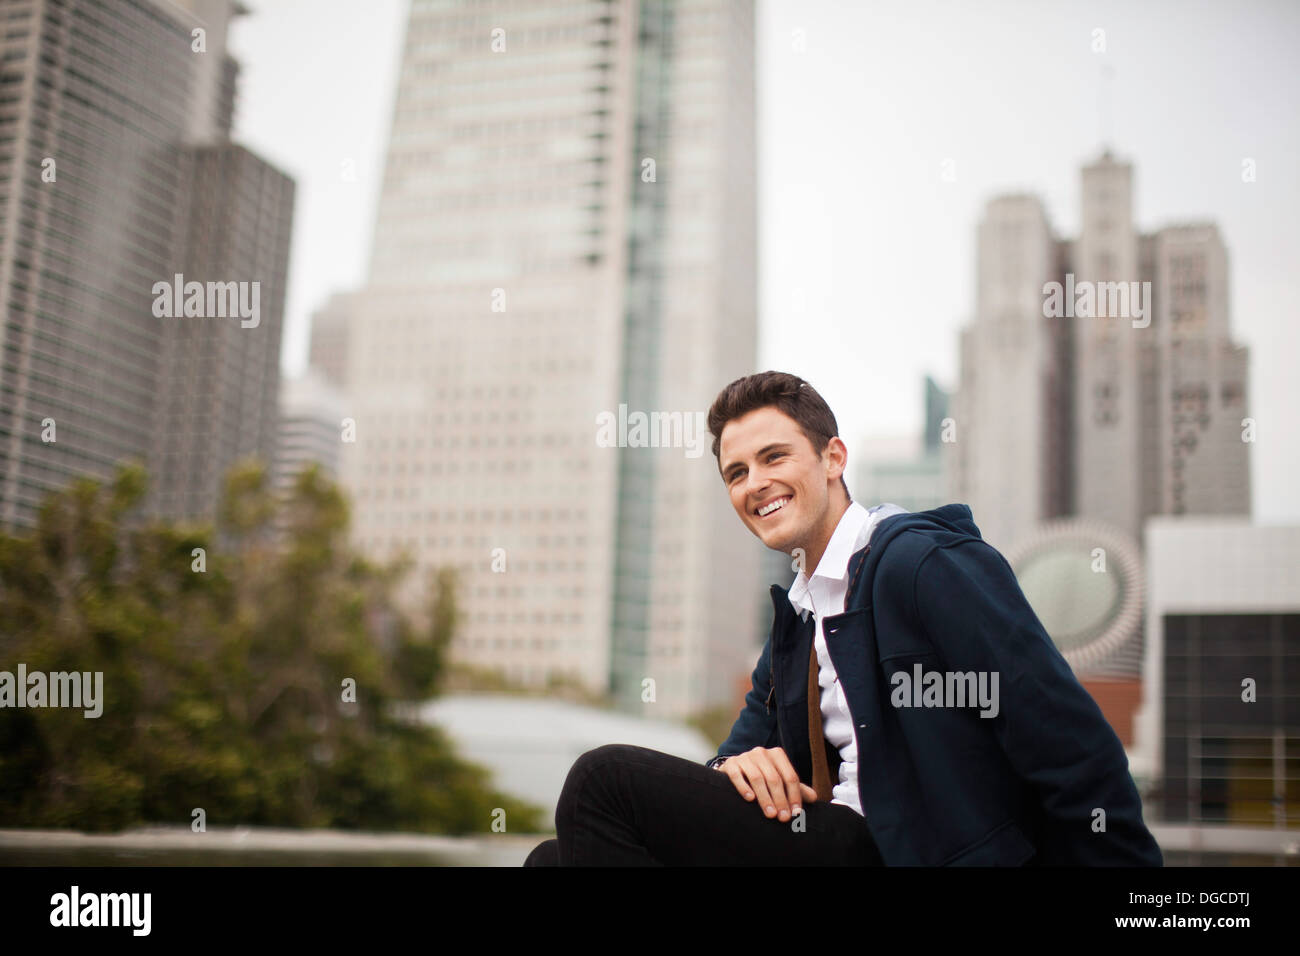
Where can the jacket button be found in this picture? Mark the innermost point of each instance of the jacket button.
(863, 726)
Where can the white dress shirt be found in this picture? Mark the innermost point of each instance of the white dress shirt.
(823, 595)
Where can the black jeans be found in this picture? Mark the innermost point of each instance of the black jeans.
(630, 806)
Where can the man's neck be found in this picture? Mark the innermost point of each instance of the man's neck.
(815, 558)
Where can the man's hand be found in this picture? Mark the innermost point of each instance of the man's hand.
(765, 773)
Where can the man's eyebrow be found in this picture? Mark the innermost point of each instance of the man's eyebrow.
(761, 452)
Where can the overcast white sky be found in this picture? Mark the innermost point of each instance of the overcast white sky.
(867, 255)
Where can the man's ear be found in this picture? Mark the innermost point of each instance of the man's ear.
(837, 458)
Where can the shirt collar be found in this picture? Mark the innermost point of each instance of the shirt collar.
(851, 535)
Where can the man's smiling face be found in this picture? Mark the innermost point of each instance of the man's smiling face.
(781, 489)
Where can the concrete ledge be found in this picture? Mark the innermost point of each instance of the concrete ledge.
(1224, 839)
(491, 849)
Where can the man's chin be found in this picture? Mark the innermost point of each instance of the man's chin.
(783, 540)
(778, 542)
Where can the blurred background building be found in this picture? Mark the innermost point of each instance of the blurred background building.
(311, 410)
(1221, 714)
(117, 172)
(566, 225)
(218, 395)
(1098, 417)
(329, 338)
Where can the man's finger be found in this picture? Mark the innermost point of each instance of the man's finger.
(776, 787)
(749, 767)
(776, 803)
(793, 794)
(732, 769)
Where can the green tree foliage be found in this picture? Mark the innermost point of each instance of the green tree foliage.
(224, 688)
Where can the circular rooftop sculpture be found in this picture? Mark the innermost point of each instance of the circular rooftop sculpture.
(1084, 580)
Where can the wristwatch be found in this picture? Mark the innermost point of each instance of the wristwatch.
(718, 761)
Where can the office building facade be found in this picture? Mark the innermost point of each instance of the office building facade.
(1220, 724)
(565, 232)
(116, 174)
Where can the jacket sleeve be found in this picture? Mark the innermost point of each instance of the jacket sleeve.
(755, 726)
(971, 607)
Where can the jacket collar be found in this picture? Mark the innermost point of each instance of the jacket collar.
(886, 522)
(835, 559)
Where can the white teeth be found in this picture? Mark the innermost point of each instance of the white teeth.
(779, 503)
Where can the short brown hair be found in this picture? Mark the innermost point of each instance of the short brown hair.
(789, 394)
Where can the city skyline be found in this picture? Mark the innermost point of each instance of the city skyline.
(915, 221)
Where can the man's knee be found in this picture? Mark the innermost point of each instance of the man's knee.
(594, 763)
(602, 758)
(606, 754)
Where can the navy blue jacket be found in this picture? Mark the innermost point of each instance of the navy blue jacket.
(943, 785)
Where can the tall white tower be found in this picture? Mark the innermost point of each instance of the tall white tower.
(566, 225)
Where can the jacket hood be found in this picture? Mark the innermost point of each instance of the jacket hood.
(943, 525)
